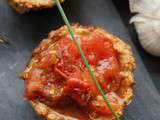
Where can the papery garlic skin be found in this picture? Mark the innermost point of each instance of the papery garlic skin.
(145, 7)
(147, 24)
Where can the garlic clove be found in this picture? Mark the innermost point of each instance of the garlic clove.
(147, 23)
(145, 6)
(148, 30)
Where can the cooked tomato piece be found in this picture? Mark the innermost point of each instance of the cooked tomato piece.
(101, 55)
(79, 90)
(47, 61)
(94, 50)
(113, 68)
(111, 75)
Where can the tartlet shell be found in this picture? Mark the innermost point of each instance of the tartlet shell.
(127, 63)
(22, 6)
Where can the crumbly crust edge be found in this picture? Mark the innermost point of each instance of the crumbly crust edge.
(22, 6)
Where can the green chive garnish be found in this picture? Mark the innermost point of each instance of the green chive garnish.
(85, 60)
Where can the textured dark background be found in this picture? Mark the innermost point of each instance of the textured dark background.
(26, 31)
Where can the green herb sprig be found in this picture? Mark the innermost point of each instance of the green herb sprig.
(84, 59)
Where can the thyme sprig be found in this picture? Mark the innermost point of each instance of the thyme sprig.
(69, 28)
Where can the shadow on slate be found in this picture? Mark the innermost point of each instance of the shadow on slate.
(25, 32)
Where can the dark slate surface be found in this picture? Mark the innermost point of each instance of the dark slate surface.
(26, 31)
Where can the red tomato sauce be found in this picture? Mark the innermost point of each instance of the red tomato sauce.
(56, 77)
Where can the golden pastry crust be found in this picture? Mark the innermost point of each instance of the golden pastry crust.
(22, 6)
(127, 64)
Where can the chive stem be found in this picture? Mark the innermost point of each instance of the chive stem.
(84, 59)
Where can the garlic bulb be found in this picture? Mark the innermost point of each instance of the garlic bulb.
(147, 23)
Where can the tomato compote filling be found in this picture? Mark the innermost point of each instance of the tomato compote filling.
(58, 73)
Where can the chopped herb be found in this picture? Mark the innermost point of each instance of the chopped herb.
(101, 81)
(69, 28)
